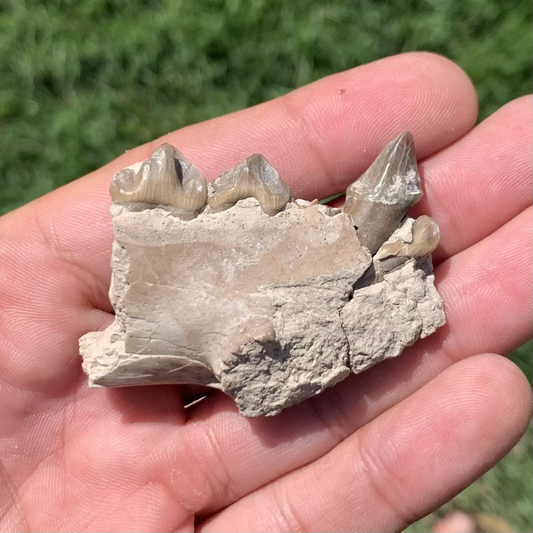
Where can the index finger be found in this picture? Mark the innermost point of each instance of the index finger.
(319, 138)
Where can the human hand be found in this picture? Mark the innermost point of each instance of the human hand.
(373, 453)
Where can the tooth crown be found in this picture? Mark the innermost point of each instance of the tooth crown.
(393, 178)
(252, 178)
(376, 203)
(167, 178)
(269, 309)
(379, 199)
(426, 236)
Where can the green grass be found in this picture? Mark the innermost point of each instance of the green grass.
(82, 81)
(523, 358)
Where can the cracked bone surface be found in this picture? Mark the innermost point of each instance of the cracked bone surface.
(379, 199)
(269, 302)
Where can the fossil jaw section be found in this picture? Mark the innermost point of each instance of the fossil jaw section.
(269, 308)
(378, 201)
(165, 179)
(252, 178)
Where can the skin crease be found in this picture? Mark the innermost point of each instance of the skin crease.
(371, 454)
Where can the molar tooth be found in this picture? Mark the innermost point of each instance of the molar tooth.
(167, 178)
(253, 177)
(379, 199)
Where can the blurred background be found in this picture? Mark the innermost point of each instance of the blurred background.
(82, 81)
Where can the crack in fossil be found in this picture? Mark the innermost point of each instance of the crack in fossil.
(236, 286)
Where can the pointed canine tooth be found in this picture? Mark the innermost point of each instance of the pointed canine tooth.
(426, 236)
(379, 199)
(167, 178)
(254, 177)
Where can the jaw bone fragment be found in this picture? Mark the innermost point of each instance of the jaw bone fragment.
(379, 199)
(252, 178)
(167, 178)
(269, 309)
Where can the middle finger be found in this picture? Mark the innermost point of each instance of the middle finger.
(236, 455)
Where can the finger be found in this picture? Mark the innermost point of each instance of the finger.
(319, 138)
(403, 465)
(456, 523)
(238, 455)
(324, 135)
(56, 250)
(482, 181)
(487, 292)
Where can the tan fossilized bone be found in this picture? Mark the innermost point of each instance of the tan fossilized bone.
(269, 309)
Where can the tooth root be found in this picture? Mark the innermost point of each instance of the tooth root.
(426, 236)
(379, 199)
(167, 178)
(252, 178)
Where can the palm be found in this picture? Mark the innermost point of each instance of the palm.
(74, 458)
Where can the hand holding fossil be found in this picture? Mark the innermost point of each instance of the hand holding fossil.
(374, 452)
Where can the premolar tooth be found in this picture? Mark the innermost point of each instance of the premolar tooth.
(253, 177)
(167, 178)
(426, 236)
(379, 199)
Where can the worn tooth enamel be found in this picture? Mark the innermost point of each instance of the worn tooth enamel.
(426, 236)
(167, 178)
(379, 199)
(415, 239)
(253, 177)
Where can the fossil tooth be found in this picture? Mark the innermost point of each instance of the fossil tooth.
(421, 239)
(167, 178)
(253, 177)
(426, 236)
(379, 199)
